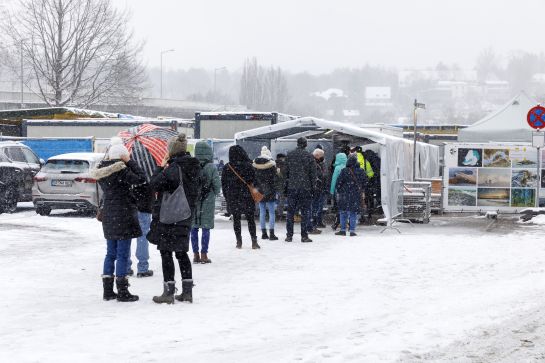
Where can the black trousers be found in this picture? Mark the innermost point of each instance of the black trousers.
(250, 216)
(168, 265)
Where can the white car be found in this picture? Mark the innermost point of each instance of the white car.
(64, 183)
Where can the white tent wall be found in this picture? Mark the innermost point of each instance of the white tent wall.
(508, 124)
(395, 153)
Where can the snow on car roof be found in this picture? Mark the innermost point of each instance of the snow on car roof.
(78, 156)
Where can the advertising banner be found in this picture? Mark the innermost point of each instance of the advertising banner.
(493, 177)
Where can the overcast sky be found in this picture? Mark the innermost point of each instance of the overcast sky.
(320, 35)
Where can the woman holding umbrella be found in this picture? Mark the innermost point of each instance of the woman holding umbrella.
(174, 237)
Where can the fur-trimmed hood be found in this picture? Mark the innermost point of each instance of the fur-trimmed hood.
(262, 163)
(107, 170)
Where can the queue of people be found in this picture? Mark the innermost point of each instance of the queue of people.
(180, 199)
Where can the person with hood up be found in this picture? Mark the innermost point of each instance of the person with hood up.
(338, 166)
(206, 204)
(300, 184)
(349, 188)
(266, 175)
(174, 237)
(116, 174)
(238, 173)
(320, 191)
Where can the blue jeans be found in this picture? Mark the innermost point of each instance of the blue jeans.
(205, 240)
(299, 200)
(317, 209)
(117, 251)
(142, 244)
(352, 216)
(263, 207)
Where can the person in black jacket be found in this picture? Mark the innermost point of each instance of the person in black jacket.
(116, 174)
(237, 174)
(319, 192)
(267, 176)
(300, 184)
(174, 237)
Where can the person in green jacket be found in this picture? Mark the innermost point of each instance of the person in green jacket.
(340, 163)
(206, 204)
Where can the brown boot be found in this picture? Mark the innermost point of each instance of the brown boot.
(196, 258)
(205, 259)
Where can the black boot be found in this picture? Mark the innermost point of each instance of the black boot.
(305, 239)
(108, 285)
(272, 236)
(187, 291)
(169, 288)
(264, 234)
(255, 246)
(239, 242)
(123, 293)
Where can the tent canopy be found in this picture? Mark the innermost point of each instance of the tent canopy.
(396, 154)
(508, 124)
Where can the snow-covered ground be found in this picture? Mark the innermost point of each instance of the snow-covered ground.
(447, 291)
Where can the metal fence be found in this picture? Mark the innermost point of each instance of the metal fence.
(417, 201)
(436, 193)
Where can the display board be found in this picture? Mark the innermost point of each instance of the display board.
(492, 177)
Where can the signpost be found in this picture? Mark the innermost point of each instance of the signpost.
(536, 120)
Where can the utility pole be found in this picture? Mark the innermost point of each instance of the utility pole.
(163, 52)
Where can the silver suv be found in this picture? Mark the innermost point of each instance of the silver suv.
(64, 183)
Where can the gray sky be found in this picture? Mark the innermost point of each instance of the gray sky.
(320, 35)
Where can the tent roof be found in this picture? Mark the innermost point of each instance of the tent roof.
(508, 124)
(304, 124)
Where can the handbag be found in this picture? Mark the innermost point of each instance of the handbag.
(174, 206)
(257, 196)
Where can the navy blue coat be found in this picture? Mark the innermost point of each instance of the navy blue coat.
(350, 186)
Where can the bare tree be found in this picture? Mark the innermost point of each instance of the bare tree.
(262, 89)
(80, 51)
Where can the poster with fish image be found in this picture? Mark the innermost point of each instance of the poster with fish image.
(524, 178)
(470, 157)
(523, 157)
(496, 158)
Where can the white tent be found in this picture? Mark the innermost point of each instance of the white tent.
(395, 153)
(508, 124)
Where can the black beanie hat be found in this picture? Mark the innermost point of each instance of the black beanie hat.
(302, 142)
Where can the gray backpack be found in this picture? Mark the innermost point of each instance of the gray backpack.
(174, 206)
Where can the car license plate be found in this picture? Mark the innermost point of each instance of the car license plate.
(61, 183)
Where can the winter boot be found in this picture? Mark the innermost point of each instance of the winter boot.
(305, 239)
(255, 246)
(340, 233)
(108, 284)
(196, 257)
(272, 236)
(123, 293)
(353, 234)
(204, 258)
(187, 291)
(264, 234)
(239, 242)
(169, 288)
(315, 231)
(147, 273)
(289, 239)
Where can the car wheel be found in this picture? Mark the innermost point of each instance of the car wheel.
(9, 198)
(43, 211)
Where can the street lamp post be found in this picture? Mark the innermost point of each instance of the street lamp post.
(163, 52)
(22, 76)
(416, 107)
(215, 73)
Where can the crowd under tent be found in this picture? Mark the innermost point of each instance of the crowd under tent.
(508, 124)
(395, 153)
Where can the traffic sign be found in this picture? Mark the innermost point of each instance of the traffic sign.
(536, 117)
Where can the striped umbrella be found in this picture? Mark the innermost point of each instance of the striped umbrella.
(147, 144)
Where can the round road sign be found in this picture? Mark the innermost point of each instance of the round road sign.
(536, 117)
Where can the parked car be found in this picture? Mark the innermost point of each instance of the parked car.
(18, 165)
(64, 183)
